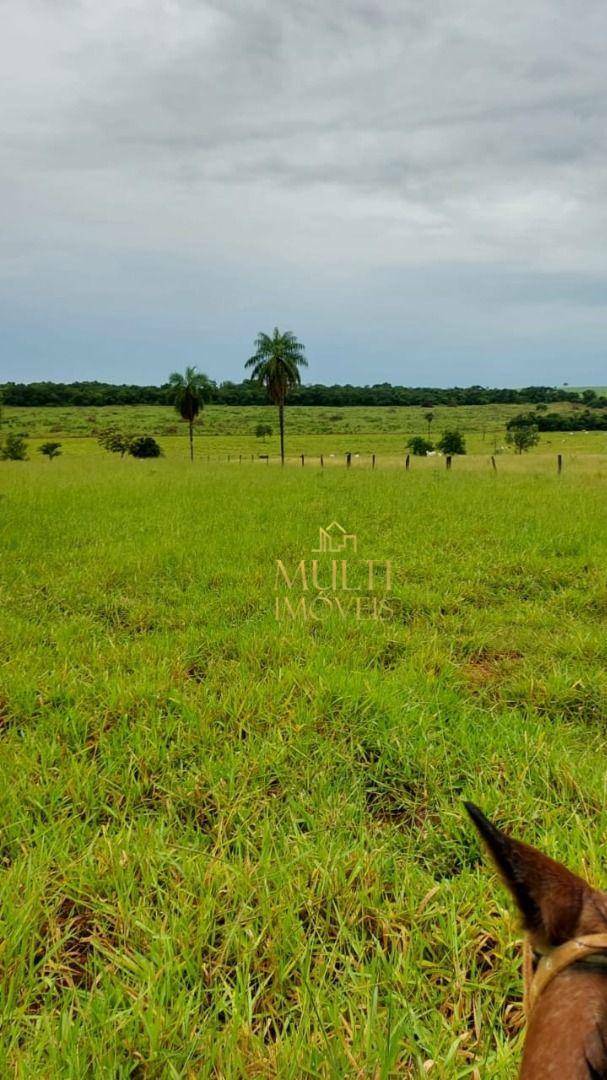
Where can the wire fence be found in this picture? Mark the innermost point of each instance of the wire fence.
(406, 461)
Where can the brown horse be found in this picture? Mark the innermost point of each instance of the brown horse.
(565, 967)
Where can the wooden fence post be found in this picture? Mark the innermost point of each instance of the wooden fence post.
(373, 462)
(494, 466)
(348, 460)
(407, 461)
(322, 461)
(559, 463)
(302, 460)
(448, 461)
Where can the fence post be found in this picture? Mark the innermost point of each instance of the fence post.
(302, 460)
(407, 462)
(559, 463)
(448, 461)
(348, 459)
(240, 459)
(373, 462)
(322, 462)
(494, 466)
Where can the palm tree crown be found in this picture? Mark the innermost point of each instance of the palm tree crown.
(189, 390)
(276, 363)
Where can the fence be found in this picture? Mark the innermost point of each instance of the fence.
(372, 460)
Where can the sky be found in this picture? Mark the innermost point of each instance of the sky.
(416, 188)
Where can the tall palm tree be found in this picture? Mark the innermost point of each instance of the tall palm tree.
(276, 363)
(189, 391)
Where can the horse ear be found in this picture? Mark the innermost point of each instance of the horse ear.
(549, 896)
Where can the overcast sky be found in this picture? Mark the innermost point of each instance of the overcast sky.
(416, 188)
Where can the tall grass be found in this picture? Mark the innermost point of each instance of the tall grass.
(233, 847)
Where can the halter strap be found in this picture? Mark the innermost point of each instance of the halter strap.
(591, 949)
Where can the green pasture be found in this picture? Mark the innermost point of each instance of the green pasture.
(223, 420)
(233, 846)
(223, 431)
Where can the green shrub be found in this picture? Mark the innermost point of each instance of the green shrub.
(452, 442)
(522, 437)
(50, 449)
(14, 448)
(419, 446)
(144, 446)
(117, 442)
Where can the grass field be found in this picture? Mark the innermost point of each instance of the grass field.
(226, 432)
(234, 846)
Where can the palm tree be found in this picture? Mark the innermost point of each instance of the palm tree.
(189, 391)
(429, 417)
(276, 363)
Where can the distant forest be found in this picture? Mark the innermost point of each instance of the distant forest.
(250, 393)
(581, 420)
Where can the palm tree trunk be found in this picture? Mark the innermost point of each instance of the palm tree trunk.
(191, 440)
(281, 421)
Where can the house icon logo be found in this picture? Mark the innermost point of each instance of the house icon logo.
(334, 539)
(340, 585)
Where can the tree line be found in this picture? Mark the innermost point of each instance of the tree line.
(251, 392)
(275, 368)
(582, 420)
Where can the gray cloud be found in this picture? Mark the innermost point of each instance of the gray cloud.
(335, 144)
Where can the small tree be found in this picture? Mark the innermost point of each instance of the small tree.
(189, 392)
(14, 448)
(428, 417)
(452, 442)
(144, 446)
(523, 437)
(419, 446)
(262, 431)
(50, 450)
(115, 441)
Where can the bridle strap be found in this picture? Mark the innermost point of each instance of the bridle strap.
(579, 950)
